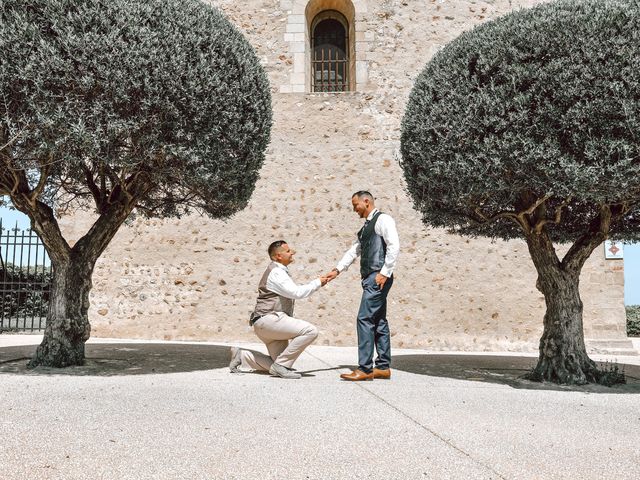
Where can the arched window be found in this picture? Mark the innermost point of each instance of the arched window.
(330, 52)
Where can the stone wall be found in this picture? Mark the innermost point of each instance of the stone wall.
(196, 278)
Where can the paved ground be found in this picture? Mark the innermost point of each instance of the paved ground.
(144, 410)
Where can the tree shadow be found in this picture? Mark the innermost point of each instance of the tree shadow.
(503, 370)
(304, 373)
(116, 359)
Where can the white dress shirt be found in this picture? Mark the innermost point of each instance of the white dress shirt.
(386, 228)
(281, 283)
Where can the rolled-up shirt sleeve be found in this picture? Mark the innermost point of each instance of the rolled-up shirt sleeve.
(281, 283)
(386, 227)
(349, 257)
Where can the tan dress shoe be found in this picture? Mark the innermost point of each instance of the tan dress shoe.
(357, 376)
(383, 374)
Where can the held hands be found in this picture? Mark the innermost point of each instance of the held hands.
(324, 279)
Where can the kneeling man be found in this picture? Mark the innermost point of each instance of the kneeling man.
(285, 336)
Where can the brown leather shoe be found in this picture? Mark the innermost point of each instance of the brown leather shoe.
(383, 374)
(357, 376)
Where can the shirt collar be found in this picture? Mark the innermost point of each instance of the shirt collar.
(278, 264)
(373, 212)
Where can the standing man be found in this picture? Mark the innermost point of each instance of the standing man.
(273, 321)
(378, 246)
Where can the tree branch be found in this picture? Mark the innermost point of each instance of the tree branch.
(518, 217)
(7, 181)
(122, 201)
(543, 254)
(42, 182)
(533, 206)
(597, 233)
(44, 224)
(14, 138)
(557, 217)
(93, 188)
(10, 179)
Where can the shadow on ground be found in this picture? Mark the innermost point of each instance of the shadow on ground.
(113, 359)
(118, 359)
(504, 370)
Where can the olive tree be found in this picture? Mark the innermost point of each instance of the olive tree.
(154, 107)
(529, 127)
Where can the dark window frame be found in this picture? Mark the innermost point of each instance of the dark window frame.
(330, 59)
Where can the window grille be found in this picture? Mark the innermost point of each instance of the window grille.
(330, 63)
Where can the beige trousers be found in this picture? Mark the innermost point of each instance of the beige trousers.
(285, 337)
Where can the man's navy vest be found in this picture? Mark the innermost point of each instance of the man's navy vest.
(373, 248)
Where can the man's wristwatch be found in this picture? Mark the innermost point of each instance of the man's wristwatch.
(335, 270)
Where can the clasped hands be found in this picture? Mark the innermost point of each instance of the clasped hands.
(324, 279)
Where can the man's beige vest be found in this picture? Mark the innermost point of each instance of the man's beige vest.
(268, 301)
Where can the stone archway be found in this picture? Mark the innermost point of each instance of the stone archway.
(345, 8)
(298, 35)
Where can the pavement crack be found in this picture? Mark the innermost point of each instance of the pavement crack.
(449, 443)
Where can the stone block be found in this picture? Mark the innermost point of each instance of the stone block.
(299, 63)
(295, 28)
(293, 18)
(361, 26)
(297, 79)
(362, 72)
(372, 56)
(298, 7)
(296, 47)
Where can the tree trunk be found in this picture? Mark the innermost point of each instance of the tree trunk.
(68, 325)
(563, 355)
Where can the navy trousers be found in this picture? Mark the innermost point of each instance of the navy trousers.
(372, 325)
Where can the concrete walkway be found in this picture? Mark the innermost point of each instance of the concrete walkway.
(156, 410)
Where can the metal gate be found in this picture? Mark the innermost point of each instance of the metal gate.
(25, 280)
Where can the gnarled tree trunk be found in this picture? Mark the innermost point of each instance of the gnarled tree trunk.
(563, 354)
(68, 325)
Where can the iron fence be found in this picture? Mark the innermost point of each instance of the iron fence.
(25, 280)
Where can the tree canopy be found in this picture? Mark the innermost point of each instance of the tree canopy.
(162, 100)
(529, 126)
(154, 106)
(540, 107)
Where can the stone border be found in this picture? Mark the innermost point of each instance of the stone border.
(297, 36)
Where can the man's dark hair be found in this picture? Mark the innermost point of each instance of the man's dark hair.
(363, 193)
(275, 246)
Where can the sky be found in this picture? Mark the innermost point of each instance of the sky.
(631, 257)
(632, 274)
(26, 254)
(10, 217)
